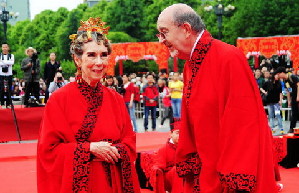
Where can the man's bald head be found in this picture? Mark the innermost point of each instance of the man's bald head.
(181, 13)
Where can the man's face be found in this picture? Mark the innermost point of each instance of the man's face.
(150, 79)
(257, 73)
(175, 136)
(30, 52)
(5, 48)
(172, 36)
(282, 75)
(267, 74)
(52, 57)
(175, 76)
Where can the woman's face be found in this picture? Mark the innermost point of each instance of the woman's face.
(125, 79)
(93, 62)
(110, 81)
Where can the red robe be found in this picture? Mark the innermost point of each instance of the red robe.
(76, 115)
(223, 121)
(165, 160)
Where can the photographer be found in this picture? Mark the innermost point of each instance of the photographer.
(6, 62)
(31, 68)
(57, 83)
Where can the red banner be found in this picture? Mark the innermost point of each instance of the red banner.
(269, 46)
(138, 51)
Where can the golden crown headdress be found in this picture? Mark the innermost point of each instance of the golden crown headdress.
(91, 25)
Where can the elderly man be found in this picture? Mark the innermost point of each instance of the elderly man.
(223, 120)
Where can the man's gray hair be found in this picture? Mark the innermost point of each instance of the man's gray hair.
(190, 17)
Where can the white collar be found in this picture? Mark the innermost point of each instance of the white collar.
(171, 141)
(197, 39)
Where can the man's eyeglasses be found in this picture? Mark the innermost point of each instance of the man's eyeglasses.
(161, 35)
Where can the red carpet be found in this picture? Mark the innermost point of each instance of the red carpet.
(28, 120)
(17, 165)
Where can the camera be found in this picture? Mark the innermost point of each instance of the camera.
(34, 56)
(59, 78)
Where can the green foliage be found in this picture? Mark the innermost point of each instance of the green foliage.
(120, 37)
(68, 68)
(126, 16)
(135, 20)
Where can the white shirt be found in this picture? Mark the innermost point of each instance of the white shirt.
(6, 63)
(197, 39)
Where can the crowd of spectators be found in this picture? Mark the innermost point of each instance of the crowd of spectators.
(278, 88)
(276, 80)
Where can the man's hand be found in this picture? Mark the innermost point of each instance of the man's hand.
(29, 64)
(104, 151)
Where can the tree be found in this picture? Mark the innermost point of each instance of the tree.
(153, 10)
(120, 37)
(68, 27)
(98, 10)
(126, 16)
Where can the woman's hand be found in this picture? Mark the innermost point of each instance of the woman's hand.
(104, 151)
(130, 104)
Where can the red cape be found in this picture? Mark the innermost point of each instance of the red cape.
(75, 116)
(223, 120)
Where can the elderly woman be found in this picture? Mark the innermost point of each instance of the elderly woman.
(86, 142)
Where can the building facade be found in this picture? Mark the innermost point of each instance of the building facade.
(20, 6)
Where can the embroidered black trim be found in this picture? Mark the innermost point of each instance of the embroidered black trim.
(241, 182)
(126, 169)
(197, 58)
(82, 156)
(191, 166)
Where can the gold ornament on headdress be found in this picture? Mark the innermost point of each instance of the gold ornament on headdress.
(91, 25)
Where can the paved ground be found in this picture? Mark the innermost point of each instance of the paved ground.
(164, 128)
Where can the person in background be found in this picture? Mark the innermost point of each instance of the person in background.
(258, 77)
(51, 67)
(7, 60)
(150, 99)
(176, 90)
(165, 160)
(16, 91)
(57, 83)
(129, 99)
(31, 68)
(109, 82)
(166, 102)
(291, 84)
(273, 92)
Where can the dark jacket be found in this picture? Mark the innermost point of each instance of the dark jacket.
(28, 76)
(50, 71)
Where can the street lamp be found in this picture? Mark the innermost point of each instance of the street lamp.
(5, 16)
(220, 10)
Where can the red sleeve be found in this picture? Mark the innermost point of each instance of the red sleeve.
(161, 158)
(243, 127)
(186, 145)
(55, 153)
